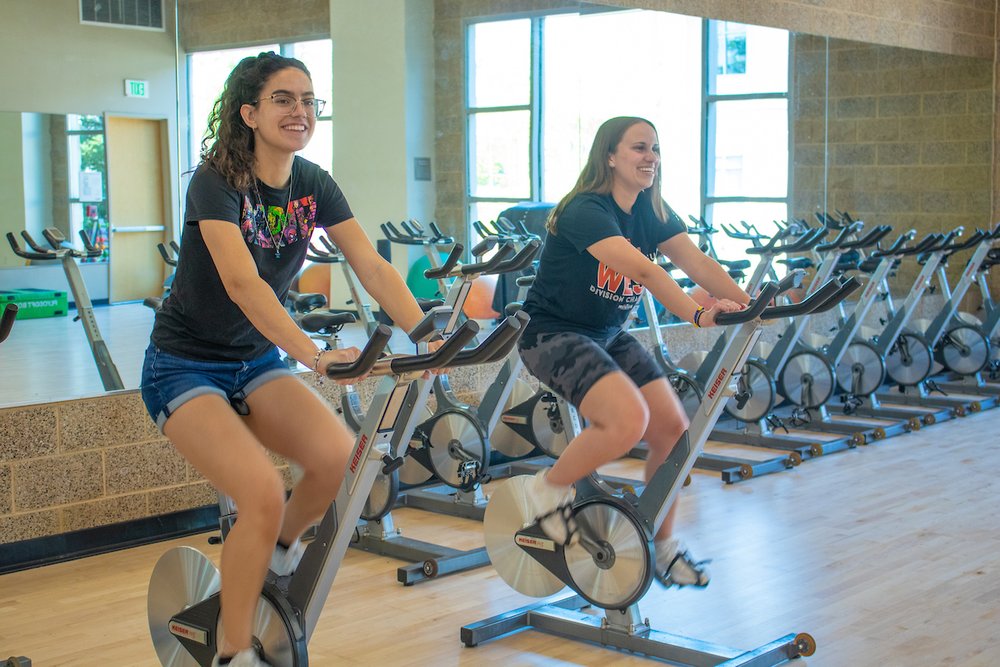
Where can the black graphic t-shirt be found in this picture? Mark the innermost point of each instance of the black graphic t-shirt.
(199, 320)
(575, 292)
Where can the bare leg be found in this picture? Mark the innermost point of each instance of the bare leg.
(617, 416)
(291, 420)
(667, 422)
(209, 434)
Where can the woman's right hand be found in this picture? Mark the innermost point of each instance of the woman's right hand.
(720, 306)
(342, 356)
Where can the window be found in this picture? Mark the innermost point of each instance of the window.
(746, 129)
(500, 117)
(207, 72)
(87, 181)
(716, 91)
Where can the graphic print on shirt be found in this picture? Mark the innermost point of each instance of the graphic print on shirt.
(262, 226)
(617, 287)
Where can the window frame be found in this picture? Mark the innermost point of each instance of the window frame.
(708, 163)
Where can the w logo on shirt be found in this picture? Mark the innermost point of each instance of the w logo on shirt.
(611, 281)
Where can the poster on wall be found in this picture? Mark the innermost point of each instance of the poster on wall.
(91, 186)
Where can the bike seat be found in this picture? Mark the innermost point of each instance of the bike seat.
(325, 321)
(797, 262)
(303, 303)
(736, 264)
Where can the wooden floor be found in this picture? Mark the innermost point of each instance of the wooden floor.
(887, 555)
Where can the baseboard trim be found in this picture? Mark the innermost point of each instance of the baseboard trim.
(27, 554)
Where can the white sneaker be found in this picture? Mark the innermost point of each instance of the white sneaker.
(676, 567)
(554, 509)
(285, 561)
(245, 658)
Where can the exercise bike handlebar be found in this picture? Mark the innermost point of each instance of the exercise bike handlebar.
(527, 234)
(816, 299)
(925, 244)
(449, 263)
(948, 239)
(497, 345)
(503, 253)
(439, 358)
(20, 252)
(753, 309)
(7, 320)
(897, 245)
(977, 237)
(808, 240)
(366, 361)
(522, 320)
(524, 257)
(394, 236)
(439, 238)
(55, 238)
(847, 287)
(868, 240)
(488, 242)
(170, 261)
(792, 280)
(841, 238)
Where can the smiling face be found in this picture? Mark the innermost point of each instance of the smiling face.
(275, 128)
(635, 159)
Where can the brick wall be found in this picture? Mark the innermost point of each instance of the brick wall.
(219, 24)
(908, 137)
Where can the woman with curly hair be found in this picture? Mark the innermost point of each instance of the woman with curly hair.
(213, 379)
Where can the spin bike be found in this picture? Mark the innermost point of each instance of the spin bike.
(110, 378)
(183, 599)
(958, 345)
(902, 353)
(988, 324)
(612, 565)
(449, 446)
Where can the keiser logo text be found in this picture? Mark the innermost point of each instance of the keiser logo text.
(717, 383)
(357, 453)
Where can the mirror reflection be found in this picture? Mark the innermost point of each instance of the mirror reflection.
(756, 124)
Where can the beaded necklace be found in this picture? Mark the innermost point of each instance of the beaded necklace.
(263, 213)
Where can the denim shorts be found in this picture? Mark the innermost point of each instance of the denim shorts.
(169, 381)
(570, 363)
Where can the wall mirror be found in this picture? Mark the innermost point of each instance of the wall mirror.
(795, 124)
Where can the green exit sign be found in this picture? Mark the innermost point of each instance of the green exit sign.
(134, 88)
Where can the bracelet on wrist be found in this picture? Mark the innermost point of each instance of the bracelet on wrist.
(696, 320)
(316, 358)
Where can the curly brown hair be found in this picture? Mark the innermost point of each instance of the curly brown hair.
(228, 143)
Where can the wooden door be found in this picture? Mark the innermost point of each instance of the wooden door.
(138, 196)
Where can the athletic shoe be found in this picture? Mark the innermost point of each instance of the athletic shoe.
(285, 561)
(554, 509)
(246, 658)
(676, 567)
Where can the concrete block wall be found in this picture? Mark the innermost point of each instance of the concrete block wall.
(906, 135)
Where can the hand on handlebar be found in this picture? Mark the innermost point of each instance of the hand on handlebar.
(343, 356)
(432, 346)
(720, 306)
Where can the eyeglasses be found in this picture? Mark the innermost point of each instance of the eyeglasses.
(286, 104)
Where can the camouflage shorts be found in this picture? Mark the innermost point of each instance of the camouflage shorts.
(571, 363)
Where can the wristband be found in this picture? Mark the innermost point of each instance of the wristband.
(696, 320)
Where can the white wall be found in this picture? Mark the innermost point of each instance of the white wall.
(383, 78)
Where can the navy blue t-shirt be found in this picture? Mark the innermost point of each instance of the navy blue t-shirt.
(199, 320)
(572, 290)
